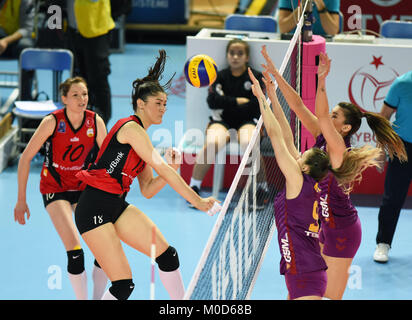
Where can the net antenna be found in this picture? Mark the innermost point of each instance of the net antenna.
(236, 247)
(152, 263)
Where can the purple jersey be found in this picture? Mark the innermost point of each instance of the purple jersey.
(297, 226)
(336, 209)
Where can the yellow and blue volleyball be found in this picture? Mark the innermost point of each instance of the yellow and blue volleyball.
(200, 70)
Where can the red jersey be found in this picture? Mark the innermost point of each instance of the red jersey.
(67, 152)
(116, 165)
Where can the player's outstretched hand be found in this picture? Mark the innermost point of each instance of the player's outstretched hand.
(269, 66)
(209, 205)
(215, 209)
(324, 66)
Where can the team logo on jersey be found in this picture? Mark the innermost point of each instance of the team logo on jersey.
(89, 122)
(247, 85)
(219, 89)
(61, 127)
(45, 172)
(90, 132)
(324, 207)
(74, 139)
(285, 249)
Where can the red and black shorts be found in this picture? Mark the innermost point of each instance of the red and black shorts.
(70, 196)
(97, 207)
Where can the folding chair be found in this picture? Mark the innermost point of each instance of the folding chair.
(9, 80)
(396, 29)
(250, 23)
(55, 60)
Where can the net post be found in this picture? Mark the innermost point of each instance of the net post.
(310, 61)
(152, 263)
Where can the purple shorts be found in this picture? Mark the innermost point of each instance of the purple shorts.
(306, 284)
(341, 243)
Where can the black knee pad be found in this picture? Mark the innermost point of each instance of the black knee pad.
(122, 289)
(75, 263)
(169, 260)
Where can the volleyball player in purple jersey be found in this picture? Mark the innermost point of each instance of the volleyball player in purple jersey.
(341, 231)
(296, 213)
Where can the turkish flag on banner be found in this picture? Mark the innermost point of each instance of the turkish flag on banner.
(374, 12)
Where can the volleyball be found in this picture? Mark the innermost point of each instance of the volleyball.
(200, 70)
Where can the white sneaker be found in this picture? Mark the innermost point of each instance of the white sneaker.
(381, 253)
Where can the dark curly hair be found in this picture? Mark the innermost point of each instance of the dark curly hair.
(150, 85)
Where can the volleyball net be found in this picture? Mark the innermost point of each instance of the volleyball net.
(231, 259)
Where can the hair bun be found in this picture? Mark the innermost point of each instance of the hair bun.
(137, 83)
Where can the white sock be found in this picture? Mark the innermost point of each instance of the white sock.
(108, 296)
(79, 284)
(195, 183)
(173, 283)
(99, 282)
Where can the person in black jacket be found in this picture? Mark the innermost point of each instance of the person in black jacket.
(16, 27)
(234, 107)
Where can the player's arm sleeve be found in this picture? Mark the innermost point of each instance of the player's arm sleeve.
(333, 6)
(285, 5)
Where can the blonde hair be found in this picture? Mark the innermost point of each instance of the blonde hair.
(355, 161)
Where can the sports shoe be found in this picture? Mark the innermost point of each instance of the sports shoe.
(381, 253)
(195, 189)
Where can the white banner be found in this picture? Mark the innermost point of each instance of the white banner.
(362, 74)
(197, 110)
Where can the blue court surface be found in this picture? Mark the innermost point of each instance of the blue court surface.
(33, 259)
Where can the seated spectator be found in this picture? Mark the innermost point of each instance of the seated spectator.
(325, 15)
(234, 107)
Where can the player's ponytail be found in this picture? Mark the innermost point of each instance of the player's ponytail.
(150, 85)
(386, 137)
(355, 161)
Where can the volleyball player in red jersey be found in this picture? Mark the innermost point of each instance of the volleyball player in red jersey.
(70, 136)
(103, 216)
